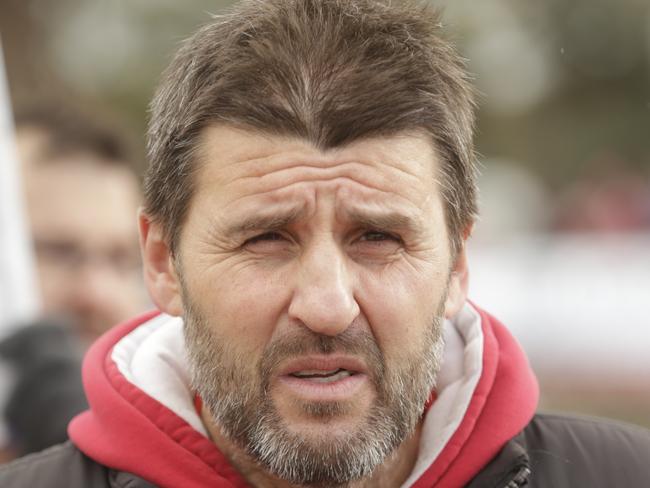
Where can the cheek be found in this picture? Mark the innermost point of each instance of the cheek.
(243, 305)
(400, 304)
(47, 280)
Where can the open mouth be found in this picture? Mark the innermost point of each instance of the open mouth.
(320, 376)
(324, 378)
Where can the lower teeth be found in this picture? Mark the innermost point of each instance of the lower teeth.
(327, 379)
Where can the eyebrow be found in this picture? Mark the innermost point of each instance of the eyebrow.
(384, 220)
(394, 221)
(266, 222)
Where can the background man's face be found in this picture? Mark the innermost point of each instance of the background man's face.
(82, 218)
(313, 288)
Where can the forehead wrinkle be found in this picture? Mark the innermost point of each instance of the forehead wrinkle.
(352, 177)
(255, 162)
(280, 163)
(354, 170)
(273, 195)
(273, 164)
(262, 162)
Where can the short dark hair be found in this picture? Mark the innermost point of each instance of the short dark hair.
(328, 71)
(69, 132)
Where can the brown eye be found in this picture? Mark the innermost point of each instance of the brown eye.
(376, 245)
(267, 236)
(267, 243)
(378, 236)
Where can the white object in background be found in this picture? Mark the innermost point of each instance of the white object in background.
(578, 303)
(19, 301)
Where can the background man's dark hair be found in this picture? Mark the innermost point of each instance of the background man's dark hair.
(327, 71)
(69, 132)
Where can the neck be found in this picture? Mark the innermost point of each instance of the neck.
(391, 473)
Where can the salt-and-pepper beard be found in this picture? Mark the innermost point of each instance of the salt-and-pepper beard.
(236, 393)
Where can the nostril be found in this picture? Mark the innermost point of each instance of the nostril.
(329, 315)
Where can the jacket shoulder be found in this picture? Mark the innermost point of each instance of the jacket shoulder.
(583, 451)
(61, 465)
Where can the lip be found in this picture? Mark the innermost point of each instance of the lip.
(324, 362)
(339, 390)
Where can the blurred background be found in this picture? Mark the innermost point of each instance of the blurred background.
(561, 253)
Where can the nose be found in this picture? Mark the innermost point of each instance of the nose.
(92, 299)
(323, 298)
(92, 288)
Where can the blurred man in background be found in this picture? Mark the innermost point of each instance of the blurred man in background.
(82, 193)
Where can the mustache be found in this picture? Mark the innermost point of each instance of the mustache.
(303, 342)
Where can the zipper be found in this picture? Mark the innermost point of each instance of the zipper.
(519, 479)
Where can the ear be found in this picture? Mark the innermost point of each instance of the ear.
(459, 279)
(160, 274)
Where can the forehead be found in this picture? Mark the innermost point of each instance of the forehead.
(81, 198)
(230, 158)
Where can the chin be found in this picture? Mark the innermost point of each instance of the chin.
(326, 414)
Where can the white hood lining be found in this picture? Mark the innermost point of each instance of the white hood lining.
(152, 357)
(461, 370)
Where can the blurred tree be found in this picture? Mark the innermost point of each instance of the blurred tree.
(562, 82)
(24, 37)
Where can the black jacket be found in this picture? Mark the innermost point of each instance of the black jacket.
(45, 361)
(553, 451)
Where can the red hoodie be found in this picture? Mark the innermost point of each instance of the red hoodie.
(128, 430)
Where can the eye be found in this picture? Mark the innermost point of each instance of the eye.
(267, 236)
(379, 236)
(376, 245)
(266, 242)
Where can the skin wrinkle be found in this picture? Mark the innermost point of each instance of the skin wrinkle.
(403, 221)
(239, 231)
(302, 187)
(246, 162)
(383, 272)
(261, 223)
(339, 168)
(289, 186)
(394, 219)
(384, 185)
(264, 161)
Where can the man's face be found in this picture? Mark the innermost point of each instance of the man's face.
(313, 286)
(82, 217)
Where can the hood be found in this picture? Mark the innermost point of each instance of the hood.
(142, 419)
